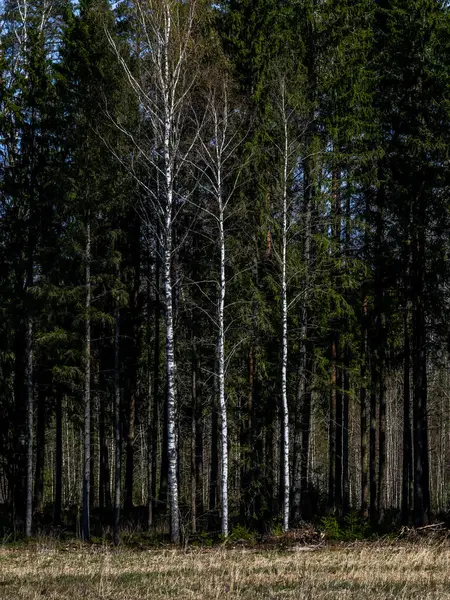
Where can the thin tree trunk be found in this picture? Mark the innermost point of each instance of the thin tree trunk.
(149, 408)
(284, 342)
(345, 435)
(200, 503)
(338, 455)
(346, 377)
(30, 413)
(247, 440)
(132, 386)
(40, 453)
(214, 467)
(85, 528)
(332, 432)
(381, 442)
(407, 480)
(364, 416)
(372, 450)
(221, 365)
(129, 467)
(170, 346)
(304, 397)
(104, 485)
(59, 458)
(117, 427)
(420, 383)
(380, 355)
(193, 448)
(194, 427)
(156, 369)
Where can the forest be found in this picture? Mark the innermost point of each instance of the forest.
(224, 265)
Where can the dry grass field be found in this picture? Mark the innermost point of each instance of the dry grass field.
(367, 571)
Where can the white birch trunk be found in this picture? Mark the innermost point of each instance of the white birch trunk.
(167, 287)
(163, 91)
(171, 370)
(30, 409)
(85, 530)
(284, 402)
(221, 366)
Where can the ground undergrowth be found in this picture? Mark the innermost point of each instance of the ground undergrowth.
(302, 564)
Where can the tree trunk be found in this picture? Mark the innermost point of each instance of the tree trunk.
(380, 353)
(297, 454)
(104, 484)
(58, 458)
(338, 455)
(129, 467)
(149, 404)
(193, 445)
(332, 432)
(284, 339)
(345, 435)
(170, 355)
(117, 426)
(420, 385)
(30, 413)
(156, 371)
(85, 526)
(40, 453)
(381, 441)
(372, 449)
(364, 416)
(247, 439)
(199, 455)
(407, 479)
(214, 468)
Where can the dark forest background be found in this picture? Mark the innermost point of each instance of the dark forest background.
(224, 234)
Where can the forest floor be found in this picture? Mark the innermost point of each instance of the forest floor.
(362, 571)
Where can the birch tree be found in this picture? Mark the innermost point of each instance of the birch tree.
(221, 138)
(285, 151)
(289, 128)
(166, 30)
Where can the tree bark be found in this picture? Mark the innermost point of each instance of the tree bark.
(117, 426)
(40, 453)
(407, 479)
(193, 442)
(372, 448)
(85, 526)
(345, 434)
(420, 384)
(104, 484)
(284, 339)
(332, 432)
(214, 467)
(58, 458)
(30, 419)
(364, 417)
(338, 455)
(156, 371)
(170, 347)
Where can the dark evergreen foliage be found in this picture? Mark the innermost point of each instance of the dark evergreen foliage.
(83, 388)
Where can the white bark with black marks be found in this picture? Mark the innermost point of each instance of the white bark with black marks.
(284, 323)
(165, 80)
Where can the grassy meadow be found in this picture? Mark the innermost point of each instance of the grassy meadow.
(373, 571)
